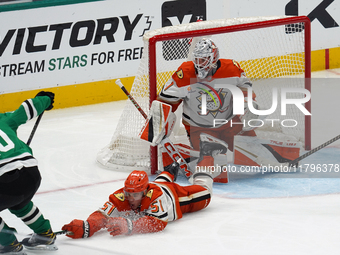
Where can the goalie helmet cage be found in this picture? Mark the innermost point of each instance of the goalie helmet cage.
(273, 52)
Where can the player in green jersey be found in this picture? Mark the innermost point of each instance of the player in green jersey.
(20, 178)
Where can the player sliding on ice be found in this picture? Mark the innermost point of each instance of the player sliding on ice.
(20, 179)
(145, 207)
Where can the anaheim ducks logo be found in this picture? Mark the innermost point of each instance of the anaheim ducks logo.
(215, 100)
(236, 64)
(180, 74)
(149, 194)
(120, 196)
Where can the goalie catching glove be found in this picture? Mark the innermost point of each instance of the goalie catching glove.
(159, 124)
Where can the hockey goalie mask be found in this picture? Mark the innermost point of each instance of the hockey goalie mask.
(205, 55)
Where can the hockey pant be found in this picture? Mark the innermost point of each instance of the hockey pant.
(186, 199)
(17, 189)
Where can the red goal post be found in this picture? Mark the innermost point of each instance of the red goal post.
(267, 48)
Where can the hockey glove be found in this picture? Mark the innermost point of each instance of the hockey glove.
(119, 226)
(50, 95)
(79, 228)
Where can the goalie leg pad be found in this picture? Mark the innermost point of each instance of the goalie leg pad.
(212, 149)
(191, 157)
(254, 151)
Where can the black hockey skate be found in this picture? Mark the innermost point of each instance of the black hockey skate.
(14, 248)
(173, 169)
(43, 241)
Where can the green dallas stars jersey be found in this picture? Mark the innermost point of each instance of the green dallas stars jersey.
(14, 153)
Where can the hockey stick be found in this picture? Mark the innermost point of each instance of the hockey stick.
(166, 142)
(63, 232)
(295, 161)
(34, 128)
(121, 85)
(58, 233)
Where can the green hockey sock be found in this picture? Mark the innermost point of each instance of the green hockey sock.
(33, 218)
(6, 234)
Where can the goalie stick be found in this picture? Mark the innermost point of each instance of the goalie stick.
(166, 142)
(295, 161)
(121, 85)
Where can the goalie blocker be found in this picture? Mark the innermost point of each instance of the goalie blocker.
(158, 128)
(160, 123)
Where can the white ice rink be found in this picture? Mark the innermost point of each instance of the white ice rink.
(250, 215)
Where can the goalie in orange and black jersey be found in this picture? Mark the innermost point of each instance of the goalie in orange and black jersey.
(204, 75)
(143, 207)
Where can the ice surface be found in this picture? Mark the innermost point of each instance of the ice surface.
(253, 214)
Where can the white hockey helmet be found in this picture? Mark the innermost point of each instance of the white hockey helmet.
(205, 57)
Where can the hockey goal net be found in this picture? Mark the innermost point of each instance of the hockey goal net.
(273, 52)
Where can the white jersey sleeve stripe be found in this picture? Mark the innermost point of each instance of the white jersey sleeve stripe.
(30, 110)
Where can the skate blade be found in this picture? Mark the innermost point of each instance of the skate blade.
(43, 247)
